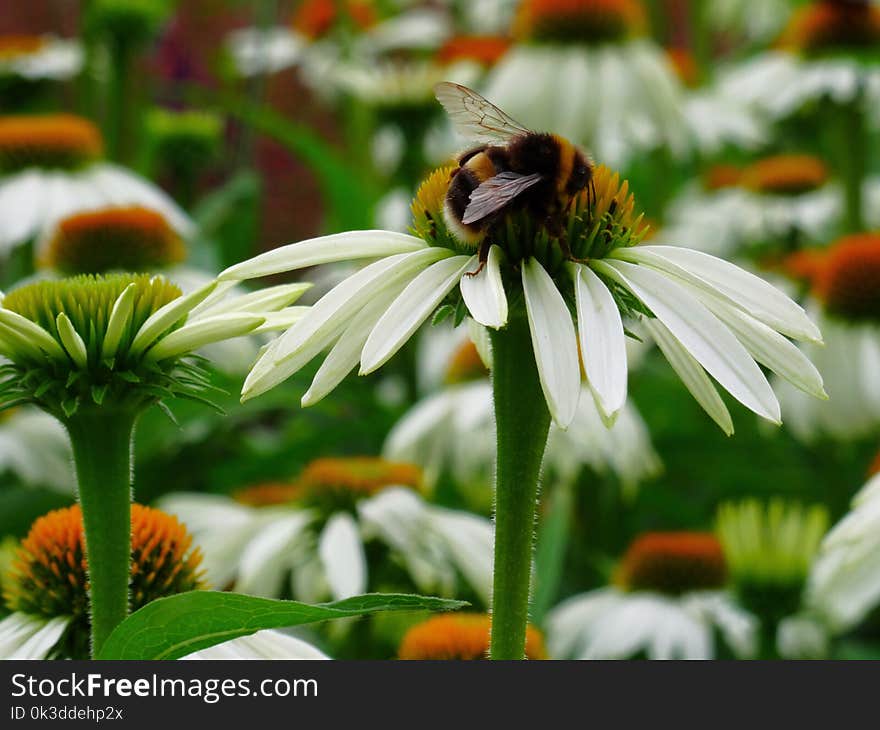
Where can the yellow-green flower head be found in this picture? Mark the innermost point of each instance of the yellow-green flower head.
(770, 547)
(186, 139)
(120, 340)
(128, 21)
(130, 238)
(49, 576)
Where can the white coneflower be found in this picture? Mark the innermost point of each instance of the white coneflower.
(51, 167)
(307, 538)
(586, 69)
(843, 285)
(773, 205)
(706, 312)
(670, 603)
(755, 22)
(40, 57)
(47, 589)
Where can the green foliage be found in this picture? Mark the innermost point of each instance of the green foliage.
(174, 627)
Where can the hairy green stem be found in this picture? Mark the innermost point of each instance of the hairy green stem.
(102, 448)
(522, 422)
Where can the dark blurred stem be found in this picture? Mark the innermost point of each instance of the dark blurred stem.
(522, 423)
(257, 89)
(102, 448)
(701, 40)
(853, 151)
(119, 110)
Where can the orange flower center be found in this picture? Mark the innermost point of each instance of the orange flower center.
(827, 26)
(14, 46)
(58, 141)
(49, 575)
(459, 636)
(267, 495)
(685, 66)
(482, 49)
(803, 266)
(719, 177)
(673, 563)
(579, 21)
(128, 239)
(785, 175)
(848, 281)
(466, 365)
(316, 18)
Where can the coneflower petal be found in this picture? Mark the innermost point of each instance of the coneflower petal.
(484, 293)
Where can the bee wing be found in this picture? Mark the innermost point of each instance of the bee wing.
(495, 193)
(474, 117)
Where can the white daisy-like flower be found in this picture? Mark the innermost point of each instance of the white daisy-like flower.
(255, 51)
(40, 57)
(35, 447)
(307, 539)
(786, 200)
(587, 70)
(843, 300)
(672, 605)
(827, 52)
(707, 315)
(50, 168)
(844, 583)
(755, 22)
(46, 589)
(454, 429)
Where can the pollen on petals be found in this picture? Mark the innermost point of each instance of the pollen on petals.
(463, 636)
(785, 175)
(50, 574)
(826, 26)
(848, 279)
(580, 21)
(55, 141)
(315, 18)
(130, 239)
(673, 563)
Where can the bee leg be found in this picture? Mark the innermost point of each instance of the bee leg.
(484, 257)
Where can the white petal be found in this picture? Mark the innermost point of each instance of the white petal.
(342, 553)
(603, 342)
(554, 342)
(346, 353)
(266, 644)
(268, 557)
(119, 318)
(71, 340)
(270, 299)
(770, 348)
(330, 316)
(281, 320)
(755, 296)
(484, 293)
(31, 332)
(691, 373)
(203, 332)
(701, 333)
(324, 250)
(166, 317)
(29, 637)
(410, 309)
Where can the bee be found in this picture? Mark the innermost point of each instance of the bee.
(513, 168)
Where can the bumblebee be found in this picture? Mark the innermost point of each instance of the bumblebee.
(514, 168)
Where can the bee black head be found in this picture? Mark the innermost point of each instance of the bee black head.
(581, 172)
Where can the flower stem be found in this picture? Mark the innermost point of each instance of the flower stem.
(853, 152)
(102, 443)
(522, 422)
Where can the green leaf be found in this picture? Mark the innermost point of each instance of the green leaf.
(442, 314)
(179, 625)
